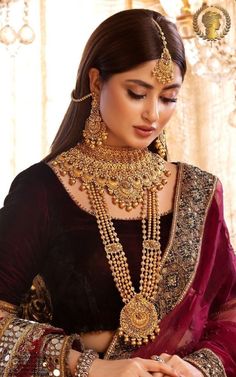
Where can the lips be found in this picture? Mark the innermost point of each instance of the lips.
(144, 131)
(145, 128)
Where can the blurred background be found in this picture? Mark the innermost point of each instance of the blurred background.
(41, 42)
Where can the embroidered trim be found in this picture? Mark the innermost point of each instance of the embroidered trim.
(118, 349)
(180, 261)
(37, 305)
(7, 307)
(38, 349)
(207, 362)
(16, 344)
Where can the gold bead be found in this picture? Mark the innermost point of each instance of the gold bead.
(72, 181)
(126, 339)
(129, 208)
(164, 181)
(122, 205)
(152, 337)
(157, 329)
(133, 342)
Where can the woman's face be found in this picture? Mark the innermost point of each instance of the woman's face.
(135, 107)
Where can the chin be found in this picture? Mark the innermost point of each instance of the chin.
(140, 144)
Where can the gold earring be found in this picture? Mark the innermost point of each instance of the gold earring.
(95, 132)
(161, 145)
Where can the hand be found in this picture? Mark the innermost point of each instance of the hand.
(135, 367)
(182, 367)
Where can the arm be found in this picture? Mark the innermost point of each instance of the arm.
(24, 238)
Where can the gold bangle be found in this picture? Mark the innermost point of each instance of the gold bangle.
(84, 363)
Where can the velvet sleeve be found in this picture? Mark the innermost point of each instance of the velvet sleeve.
(215, 353)
(28, 349)
(23, 235)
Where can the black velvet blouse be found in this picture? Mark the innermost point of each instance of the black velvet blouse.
(43, 231)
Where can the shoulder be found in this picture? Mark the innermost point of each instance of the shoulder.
(31, 183)
(35, 173)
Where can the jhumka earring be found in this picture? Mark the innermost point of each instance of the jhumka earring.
(161, 145)
(163, 70)
(95, 132)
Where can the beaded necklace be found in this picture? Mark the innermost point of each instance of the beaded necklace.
(131, 177)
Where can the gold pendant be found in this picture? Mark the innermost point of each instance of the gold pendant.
(138, 321)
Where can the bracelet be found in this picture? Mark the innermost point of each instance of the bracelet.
(84, 363)
(55, 353)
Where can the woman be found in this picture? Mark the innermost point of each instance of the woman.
(127, 251)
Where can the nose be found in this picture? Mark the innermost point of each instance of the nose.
(151, 111)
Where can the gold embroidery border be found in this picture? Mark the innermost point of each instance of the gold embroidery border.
(191, 181)
(207, 362)
(8, 308)
(175, 215)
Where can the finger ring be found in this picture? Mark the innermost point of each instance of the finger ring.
(158, 358)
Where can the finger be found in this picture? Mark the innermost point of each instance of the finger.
(145, 374)
(166, 357)
(155, 366)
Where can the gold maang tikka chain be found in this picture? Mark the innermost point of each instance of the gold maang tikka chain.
(136, 175)
(163, 70)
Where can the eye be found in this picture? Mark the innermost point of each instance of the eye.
(135, 95)
(168, 100)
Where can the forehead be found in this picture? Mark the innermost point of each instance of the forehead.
(144, 72)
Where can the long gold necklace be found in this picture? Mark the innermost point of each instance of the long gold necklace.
(131, 177)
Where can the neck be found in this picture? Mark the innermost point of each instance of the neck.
(114, 154)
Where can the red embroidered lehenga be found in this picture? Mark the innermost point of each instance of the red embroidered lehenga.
(196, 299)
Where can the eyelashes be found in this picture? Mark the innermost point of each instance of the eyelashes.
(168, 100)
(136, 96)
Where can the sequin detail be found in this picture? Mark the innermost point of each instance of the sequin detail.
(207, 362)
(180, 261)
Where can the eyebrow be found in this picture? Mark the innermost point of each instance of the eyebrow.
(149, 86)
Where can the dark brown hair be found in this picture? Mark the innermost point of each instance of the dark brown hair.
(120, 43)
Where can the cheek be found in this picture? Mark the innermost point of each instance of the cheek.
(111, 106)
(166, 114)
(116, 108)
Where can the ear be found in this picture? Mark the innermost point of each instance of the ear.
(94, 80)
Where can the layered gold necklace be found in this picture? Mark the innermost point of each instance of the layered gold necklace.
(131, 177)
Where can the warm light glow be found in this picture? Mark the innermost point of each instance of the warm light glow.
(173, 7)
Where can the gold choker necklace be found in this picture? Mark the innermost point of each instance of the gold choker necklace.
(131, 177)
(125, 173)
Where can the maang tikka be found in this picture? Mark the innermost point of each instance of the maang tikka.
(163, 70)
